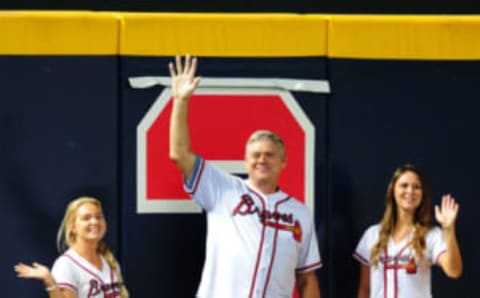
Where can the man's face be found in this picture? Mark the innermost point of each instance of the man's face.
(264, 162)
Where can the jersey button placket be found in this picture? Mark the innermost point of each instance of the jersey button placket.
(267, 253)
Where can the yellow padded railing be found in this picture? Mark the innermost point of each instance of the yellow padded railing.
(225, 35)
(58, 33)
(404, 37)
(240, 35)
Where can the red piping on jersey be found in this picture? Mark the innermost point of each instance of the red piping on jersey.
(361, 258)
(199, 175)
(260, 247)
(67, 285)
(395, 268)
(267, 280)
(385, 282)
(84, 268)
(274, 247)
(437, 259)
(314, 265)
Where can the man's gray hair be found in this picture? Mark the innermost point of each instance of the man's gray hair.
(264, 134)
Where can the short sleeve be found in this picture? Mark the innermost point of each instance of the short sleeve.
(436, 244)
(363, 250)
(309, 257)
(207, 183)
(63, 272)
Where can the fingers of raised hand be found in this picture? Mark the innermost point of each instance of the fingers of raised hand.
(171, 68)
(449, 204)
(438, 212)
(178, 63)
(188, 63)
(193, 66)
(189, 67)
(196, 82)
(447, 213)
(442, 216)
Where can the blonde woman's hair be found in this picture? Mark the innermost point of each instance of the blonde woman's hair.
(270, 136)
(422, 218)
(66, 238)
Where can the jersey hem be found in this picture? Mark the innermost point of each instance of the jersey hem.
(311, 267)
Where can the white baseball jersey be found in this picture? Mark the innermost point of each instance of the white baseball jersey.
(71, 271)
(255, 242)
(399, 274)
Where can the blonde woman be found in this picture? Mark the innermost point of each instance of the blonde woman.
(87, 268)
(396, 255)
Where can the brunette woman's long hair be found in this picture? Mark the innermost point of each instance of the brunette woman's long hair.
(422, 218)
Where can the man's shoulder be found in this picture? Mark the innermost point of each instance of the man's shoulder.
(298, 206)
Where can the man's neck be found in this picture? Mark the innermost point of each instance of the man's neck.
(264, 187)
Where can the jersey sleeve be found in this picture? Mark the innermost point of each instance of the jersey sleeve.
(309, 257)
(63, 272)
(207, 183)
(436, 245)
(364, 246)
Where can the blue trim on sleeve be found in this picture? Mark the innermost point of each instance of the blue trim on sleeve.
(190, 183)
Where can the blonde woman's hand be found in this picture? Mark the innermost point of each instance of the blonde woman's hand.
(36, 271)
(184, 81)
(447, 213)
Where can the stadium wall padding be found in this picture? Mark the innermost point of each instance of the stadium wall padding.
(59, 114)
(404, 89)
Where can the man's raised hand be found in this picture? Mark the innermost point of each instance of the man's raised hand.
(184, 81)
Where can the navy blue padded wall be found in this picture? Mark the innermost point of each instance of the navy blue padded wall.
(387, 113)
(58, 124)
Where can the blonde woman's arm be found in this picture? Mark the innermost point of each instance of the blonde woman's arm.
(42, 273)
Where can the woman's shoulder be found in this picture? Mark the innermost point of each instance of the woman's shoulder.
(65, 258)
(371, 232)
(63, 264)
(434, 231)
(373, 229)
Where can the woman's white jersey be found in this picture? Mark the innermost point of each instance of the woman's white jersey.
(71, 271)
(399, 273)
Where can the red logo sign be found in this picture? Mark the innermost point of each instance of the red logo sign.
(221, 120)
